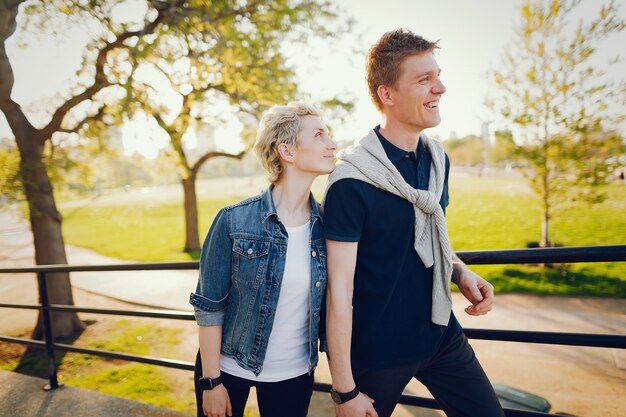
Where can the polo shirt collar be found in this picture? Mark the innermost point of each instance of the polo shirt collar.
(394, 153)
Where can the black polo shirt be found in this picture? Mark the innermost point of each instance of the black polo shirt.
(392, 288)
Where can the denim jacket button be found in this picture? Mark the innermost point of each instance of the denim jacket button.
(313, 254)
(250, 251)
(318, 284)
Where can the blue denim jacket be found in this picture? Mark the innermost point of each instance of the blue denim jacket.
(241, 271)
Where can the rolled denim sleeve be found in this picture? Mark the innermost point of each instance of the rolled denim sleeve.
(211, 296)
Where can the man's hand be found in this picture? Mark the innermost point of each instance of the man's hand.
(360, 406)
(216, 402)
(476, 289)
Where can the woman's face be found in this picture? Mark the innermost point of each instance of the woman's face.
(315, 151)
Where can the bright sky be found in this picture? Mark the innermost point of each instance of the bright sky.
(471, 34)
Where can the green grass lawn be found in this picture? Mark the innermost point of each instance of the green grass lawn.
(485, 213)
(503, 213)
(152, 231)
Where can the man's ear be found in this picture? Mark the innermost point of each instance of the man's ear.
(384, 94)
(285, 152)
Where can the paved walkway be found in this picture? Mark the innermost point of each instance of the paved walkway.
(163, 289)
(22, 396)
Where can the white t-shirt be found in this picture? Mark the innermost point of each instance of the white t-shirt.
(287, 353)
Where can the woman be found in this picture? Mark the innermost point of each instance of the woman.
(263, 276)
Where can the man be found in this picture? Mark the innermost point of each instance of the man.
(389, 259)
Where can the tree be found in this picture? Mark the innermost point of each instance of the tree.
(562, 102)
(229, 57)
(504, 148)
(468, 150)
(82, 104)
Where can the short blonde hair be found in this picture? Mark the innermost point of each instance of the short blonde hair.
(280, 124)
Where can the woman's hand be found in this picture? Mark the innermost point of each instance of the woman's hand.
(216, 402)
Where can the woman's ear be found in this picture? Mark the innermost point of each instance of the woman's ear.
(285, 152)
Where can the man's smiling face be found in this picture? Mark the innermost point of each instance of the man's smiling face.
(415, 96)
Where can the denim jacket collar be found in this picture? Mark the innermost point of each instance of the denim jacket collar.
(268, 209)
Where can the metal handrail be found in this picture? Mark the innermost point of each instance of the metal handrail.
(569, 254)
(553, 338)
(611, 253)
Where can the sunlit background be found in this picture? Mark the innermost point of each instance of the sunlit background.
(123, 202)
(472, 36)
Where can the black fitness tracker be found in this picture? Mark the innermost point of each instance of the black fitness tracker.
(205, 383)
(343, 397)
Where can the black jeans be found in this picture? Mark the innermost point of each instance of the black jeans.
(288, 398)
(453, 376)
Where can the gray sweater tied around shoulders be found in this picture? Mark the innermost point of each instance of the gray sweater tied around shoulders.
(367, 161)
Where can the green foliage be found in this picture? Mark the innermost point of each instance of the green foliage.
(504, 149)
(215, 55)
(10, 183)
(338, 108)
(471, 150)
(71, 169)
(468, 150)
(566, 107)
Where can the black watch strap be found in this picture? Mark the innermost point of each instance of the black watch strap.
(205, 383)
(343, 397)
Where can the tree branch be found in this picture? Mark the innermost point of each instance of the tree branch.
(209, 155)
(160, 122)
(100, 79)
(79, 125)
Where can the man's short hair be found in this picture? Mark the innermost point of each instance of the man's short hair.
(386, 56)
(280, 124)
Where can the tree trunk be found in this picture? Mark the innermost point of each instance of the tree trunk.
(545, 223)
(545, 230)
(192, 239)
(45, 223)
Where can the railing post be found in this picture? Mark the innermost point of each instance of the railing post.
(47, 331)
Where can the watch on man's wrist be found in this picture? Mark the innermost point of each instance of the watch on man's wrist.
(343, 397)
(206, 383)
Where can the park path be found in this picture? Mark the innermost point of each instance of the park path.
(582, 381)
(21, 395)
(163, 289)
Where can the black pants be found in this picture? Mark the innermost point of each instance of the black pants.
(288, 398)
(453, 376)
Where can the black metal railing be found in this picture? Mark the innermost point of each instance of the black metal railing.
(614, 253)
